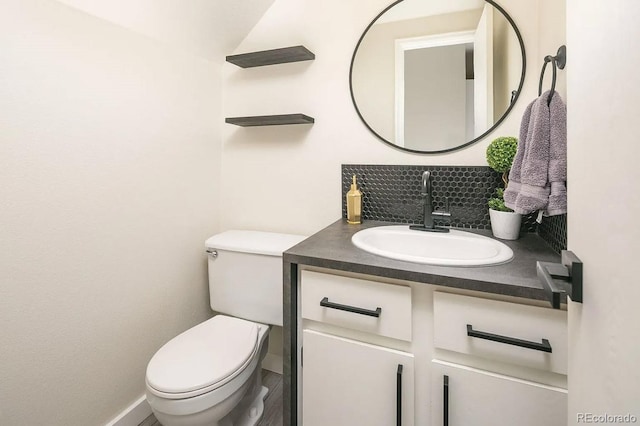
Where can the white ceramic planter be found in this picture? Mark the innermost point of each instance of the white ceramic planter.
(505, 225)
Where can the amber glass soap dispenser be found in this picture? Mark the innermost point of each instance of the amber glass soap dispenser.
(354, 204)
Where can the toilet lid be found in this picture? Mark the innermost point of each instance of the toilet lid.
(203, 355)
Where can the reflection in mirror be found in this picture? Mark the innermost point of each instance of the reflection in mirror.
(435, 76)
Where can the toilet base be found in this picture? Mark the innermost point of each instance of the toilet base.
(253, 414)
(246, 405)
(249, 411)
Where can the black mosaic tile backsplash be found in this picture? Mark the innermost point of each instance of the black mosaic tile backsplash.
(553, 230)
(391, 193)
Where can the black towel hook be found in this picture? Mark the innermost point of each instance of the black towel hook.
(559, 61)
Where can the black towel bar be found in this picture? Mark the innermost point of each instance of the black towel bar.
(559, 61)
(560, 279)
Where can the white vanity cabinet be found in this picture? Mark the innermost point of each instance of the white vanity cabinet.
(519, 339)
(476, 397)
(350, 381)
(372, 350)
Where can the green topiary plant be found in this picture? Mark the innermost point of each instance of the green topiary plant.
(497, 202)
(500, 154)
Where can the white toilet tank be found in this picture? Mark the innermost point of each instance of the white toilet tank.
(245, 273)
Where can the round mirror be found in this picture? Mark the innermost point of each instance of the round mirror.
(435, 76)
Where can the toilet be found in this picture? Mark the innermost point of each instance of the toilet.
(211, 374)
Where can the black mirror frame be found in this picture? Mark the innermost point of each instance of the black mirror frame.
(466, 144)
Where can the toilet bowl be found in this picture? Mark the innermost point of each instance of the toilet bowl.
(211, 374)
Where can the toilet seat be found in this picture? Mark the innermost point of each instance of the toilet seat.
(203, 358)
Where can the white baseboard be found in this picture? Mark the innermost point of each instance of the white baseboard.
(133, 415)
(273, 363)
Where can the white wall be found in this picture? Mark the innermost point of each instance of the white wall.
(288, 178)
(552, 28)
(604, 206)
(506, 74)
(109, 177)
(208, 28)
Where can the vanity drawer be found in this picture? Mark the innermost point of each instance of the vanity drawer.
(501, 331)
(369, 306)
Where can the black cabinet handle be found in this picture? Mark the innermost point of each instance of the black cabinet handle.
(399, 396)
(325, 302)
(545, 346)
(445, 407)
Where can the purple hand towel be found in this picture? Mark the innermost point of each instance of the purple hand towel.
(557, 157)
(539, 171)
(512, 190)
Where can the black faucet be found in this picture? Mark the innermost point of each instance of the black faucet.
(428, 224)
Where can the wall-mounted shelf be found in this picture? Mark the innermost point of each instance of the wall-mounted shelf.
(271, 57)
(270, 120)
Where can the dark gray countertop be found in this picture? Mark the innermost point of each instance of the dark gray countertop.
(332, 248)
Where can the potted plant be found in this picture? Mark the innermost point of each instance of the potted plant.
(505, 223)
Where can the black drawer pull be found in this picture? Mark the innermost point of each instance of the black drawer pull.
(399, 395)
(545, 346)
(325, 302)
(445, 405)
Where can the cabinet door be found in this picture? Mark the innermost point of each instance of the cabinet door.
(347, 383)
(474, 397)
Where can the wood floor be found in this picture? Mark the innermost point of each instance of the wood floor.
(272, 403)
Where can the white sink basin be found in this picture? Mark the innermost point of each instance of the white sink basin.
(454, 248)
